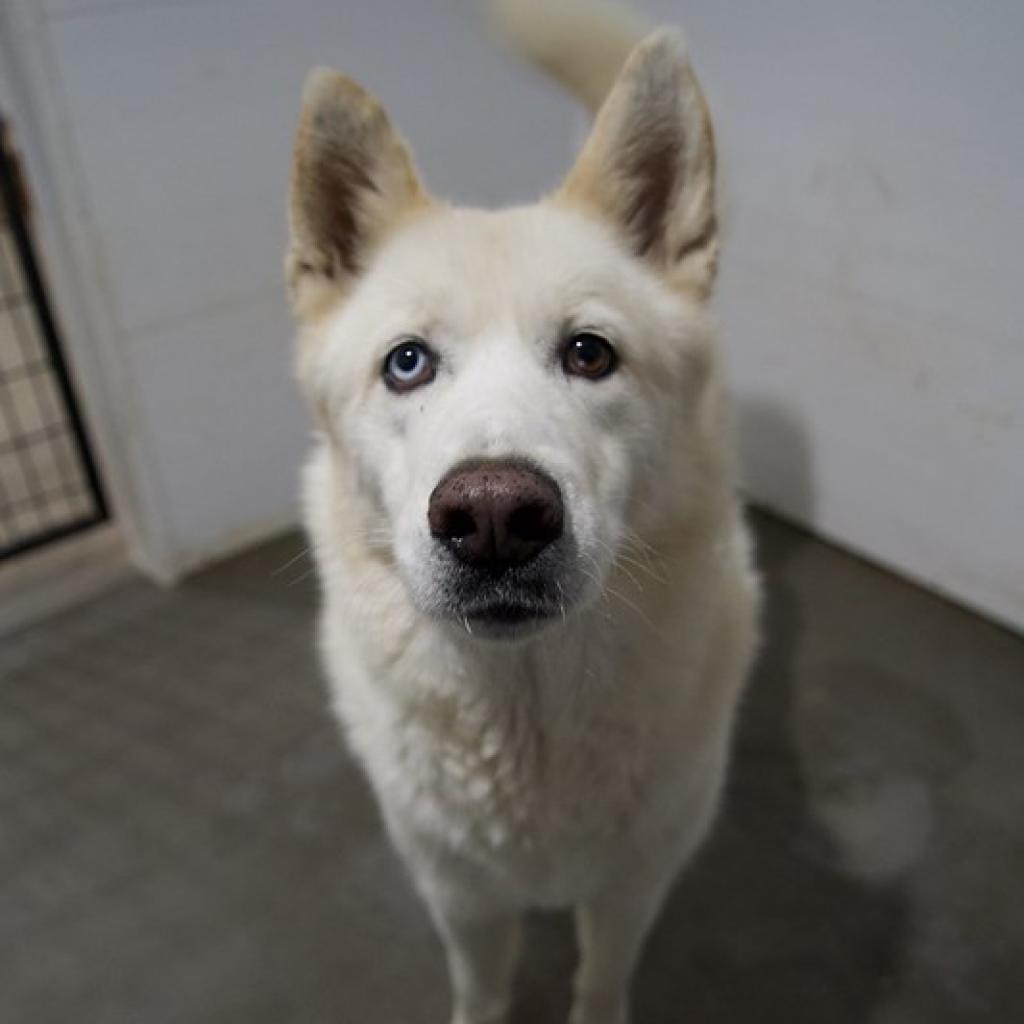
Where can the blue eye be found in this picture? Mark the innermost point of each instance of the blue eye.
(409, 365)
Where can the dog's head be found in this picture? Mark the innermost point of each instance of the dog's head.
(516, 396)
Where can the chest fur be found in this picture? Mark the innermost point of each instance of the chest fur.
(509, 773)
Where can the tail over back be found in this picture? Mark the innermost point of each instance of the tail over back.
(580, 43)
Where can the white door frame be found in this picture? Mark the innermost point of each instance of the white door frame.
(31, 90)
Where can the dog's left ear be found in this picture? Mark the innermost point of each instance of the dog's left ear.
(353, 180)
(649, 164)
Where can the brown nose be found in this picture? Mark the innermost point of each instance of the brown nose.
(495, 513)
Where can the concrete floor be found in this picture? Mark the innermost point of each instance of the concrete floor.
(183, 839)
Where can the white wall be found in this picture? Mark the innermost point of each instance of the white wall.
(871, 297)
(179, 118)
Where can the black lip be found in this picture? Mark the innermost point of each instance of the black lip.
(507, 614)
(509, 602)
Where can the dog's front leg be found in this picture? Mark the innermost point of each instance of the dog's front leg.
(611, 929)
(478, 926)
(481, 944)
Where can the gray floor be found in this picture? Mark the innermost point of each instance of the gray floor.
(182, 838)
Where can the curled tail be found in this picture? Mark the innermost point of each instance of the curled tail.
(580, 43)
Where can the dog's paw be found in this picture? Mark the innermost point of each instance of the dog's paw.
(590, 1018)
(586, 1011)
(461, 1015)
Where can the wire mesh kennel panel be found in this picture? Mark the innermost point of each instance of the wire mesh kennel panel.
(49, 486)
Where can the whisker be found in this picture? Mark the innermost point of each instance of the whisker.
(291, 561)
(642, 567)
(618, 565)
(629, 604)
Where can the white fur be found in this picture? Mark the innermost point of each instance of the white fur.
(579, 764)
(582, 43)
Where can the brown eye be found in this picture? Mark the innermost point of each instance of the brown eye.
(409, 365)
(588, 355)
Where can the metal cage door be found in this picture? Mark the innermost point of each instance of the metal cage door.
(49, 484)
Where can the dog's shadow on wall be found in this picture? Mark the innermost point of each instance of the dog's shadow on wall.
(763, 926)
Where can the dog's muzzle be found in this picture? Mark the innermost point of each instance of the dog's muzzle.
(500, 520)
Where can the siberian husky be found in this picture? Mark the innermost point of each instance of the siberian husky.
(539, 606)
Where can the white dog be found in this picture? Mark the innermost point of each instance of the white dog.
(539, 606)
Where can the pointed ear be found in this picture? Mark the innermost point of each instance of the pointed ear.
(353, 179)
(649, 164)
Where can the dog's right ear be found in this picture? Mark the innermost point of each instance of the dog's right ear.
(353, 180)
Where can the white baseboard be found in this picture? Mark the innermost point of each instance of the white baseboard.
(40, 583)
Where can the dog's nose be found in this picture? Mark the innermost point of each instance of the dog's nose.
(495, 513)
